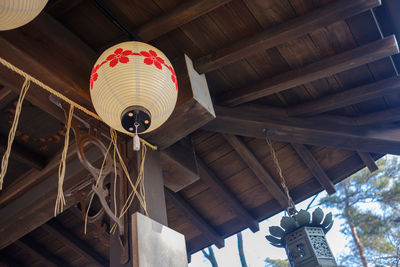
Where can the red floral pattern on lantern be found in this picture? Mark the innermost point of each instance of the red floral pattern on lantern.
(173, 77)
(94, 76)
(151, 57)
(119, 56)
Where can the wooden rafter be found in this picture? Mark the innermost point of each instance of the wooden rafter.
(193, 216)
(179, 166)
(313, 165)
(209, 178)
(319, 18)
(338, 63)
(239, 121)
(368, 161)
(347, 97)
(44, 256)
(23, 183)
(23, 154)
(261, 173)
(36, 206)
(70, 240)
(299, 193)
(384, 116)
(180, 15)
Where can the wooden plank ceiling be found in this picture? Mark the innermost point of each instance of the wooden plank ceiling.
(319, 75)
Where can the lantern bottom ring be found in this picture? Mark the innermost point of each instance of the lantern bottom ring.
(136, 116)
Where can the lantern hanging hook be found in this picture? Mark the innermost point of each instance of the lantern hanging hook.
(291, 209)
(136, 140)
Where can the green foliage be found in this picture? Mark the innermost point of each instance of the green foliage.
(370, 204)
(276, 263)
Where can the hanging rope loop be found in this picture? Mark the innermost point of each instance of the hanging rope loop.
(291, 209)
(11, 134)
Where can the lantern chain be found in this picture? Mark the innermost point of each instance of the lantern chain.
(291, 210)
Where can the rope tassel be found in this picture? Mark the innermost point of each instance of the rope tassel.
(60, 201)
(11, 134)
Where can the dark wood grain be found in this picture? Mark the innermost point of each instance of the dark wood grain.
(193, 216)
(208, 177)
(309, 160)
(179, 166)
(46, 258)
(320, 69)
(282, 33)
(261, 173)
(70, 240)
(238, 121)
(178, 16)
(347, 97)
(384, 116)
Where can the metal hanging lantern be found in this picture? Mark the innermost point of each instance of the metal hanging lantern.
(303, 237)
(133, 87)
(16, 13)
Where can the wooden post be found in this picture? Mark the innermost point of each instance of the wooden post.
(155, 200)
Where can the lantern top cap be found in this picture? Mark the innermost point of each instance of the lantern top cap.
(289, 224)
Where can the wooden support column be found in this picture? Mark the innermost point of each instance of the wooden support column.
(155, 199)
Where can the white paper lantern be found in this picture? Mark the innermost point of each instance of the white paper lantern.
(16, 13)
(133, 84)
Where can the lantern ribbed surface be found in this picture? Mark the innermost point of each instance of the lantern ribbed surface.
(16, 13)
(133, 74)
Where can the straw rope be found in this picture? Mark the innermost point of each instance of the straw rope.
(11, 134)
(60, 200)
(137, 188)
(48, 88)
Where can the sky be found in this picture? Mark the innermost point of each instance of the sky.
(257, 248)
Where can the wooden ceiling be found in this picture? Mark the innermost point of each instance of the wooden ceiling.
(319, 75)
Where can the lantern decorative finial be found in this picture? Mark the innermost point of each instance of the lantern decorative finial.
(133, 87)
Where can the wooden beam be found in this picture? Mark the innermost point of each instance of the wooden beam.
(36, 206)
(261, 173)
(193, 216)
(313, 165)
(347, 97)
(23, 154)
(325, 67)
(76, 244)
(178, 16)
(44, 256)
(384, 116)
(179, 166)
(210, 179)
(239, 121)
(368, 161)
(292, 29)
(26, 181)
(193, 109)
